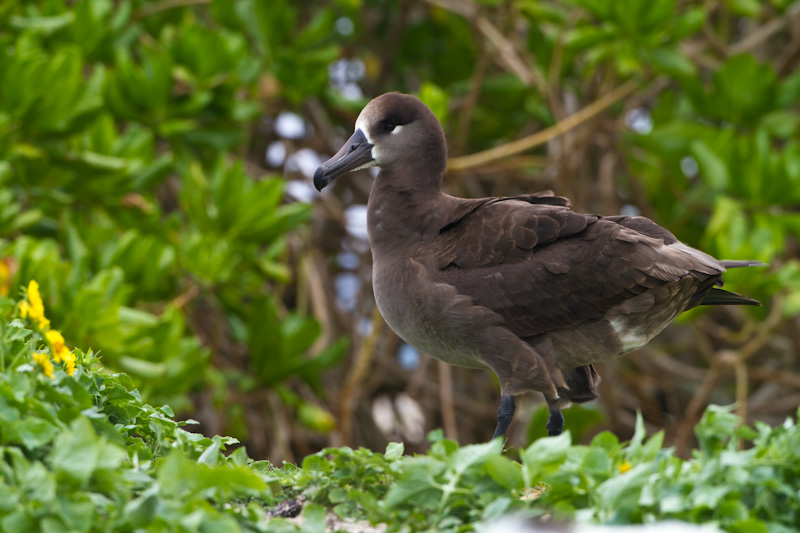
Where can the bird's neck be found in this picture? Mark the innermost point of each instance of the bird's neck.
(400, 210)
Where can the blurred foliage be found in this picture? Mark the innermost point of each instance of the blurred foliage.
(120, 123)
(132, 135)
(132, 188)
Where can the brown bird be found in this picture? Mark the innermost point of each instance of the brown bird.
(522, 285)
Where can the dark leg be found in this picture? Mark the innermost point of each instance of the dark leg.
(555, 425)
(504, 415)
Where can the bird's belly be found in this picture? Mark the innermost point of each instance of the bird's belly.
(597, 341)
(632, 336)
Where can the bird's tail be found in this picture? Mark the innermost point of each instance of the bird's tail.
(742, 263)
(719, 297)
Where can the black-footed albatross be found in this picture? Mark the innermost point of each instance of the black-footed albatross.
(522, 285)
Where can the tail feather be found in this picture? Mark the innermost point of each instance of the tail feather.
(719, 297)
(742, 263)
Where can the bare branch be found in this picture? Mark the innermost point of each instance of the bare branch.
(766, 31)
(507, 54)
(541, 137)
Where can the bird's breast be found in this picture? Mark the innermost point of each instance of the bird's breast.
(431, 317)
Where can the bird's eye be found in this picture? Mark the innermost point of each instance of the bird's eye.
(388, 127)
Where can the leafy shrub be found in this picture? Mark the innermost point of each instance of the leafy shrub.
(81, 451)
(118, 121)
(754, 487)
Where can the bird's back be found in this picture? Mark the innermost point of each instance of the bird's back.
(592, 288)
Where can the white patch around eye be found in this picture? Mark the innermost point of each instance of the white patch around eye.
(361, 124)
(396, 129)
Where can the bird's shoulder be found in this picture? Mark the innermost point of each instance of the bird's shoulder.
(491, 231)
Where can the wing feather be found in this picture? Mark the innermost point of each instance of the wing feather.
(542, 266)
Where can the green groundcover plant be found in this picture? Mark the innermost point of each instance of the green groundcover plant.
(80, 451)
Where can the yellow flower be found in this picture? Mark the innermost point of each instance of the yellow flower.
(69, 361)
(34, 297)
(64, 354)
(43, 361)
(34, 307)
(624, 467)
(56, 340)
(60, 351)
(5, 277)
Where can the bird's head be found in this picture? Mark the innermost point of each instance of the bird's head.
(391, 129)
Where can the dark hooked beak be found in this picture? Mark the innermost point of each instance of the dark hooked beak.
(355, 154)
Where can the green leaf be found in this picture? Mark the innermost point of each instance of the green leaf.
(671, 62)
(750, 525)
(497, 509)
(44, 25)
(744, 8)
(744, 102)
(436, 99)
(467, 457)
(622, 493)
(783, 124)
(716, 428)
(606, 440)
(712, 166)
(315, 418)
(544, 455)
(17, 522)
(586, 37)
(142, 510)
(417, 483)
(78, 452)
(505, 472)
(211, 455)
(394, 450)
(314, 518)
(35, 432)
(315, 463)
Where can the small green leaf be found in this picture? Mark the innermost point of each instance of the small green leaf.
(315, 463)
(546, 451)
(505, 472)
(211, 455)
(744, 8)
(436, 99)
(750, 525)
(394, 450)
(78, 452)
(35, 432)
(44, 25)
(671, 62)
(416, 482)
(314, 518)
(497, 509)
(713, 167)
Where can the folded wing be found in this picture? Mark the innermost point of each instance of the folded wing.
(542, 266)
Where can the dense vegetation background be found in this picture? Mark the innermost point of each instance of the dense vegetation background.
(155, 167)
(155, 164)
